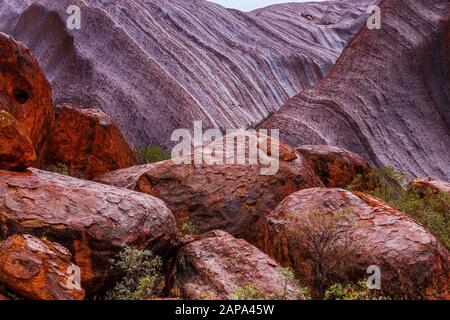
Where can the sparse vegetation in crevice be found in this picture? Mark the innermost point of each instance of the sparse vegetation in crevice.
(59, 168)
(288, 276)
(358, 291)
(142, 276)
(247, 292)
(150, 154)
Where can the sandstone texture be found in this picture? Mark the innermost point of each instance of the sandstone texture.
(88, 142)
(229, 197)
(16, 149)
(25, 92)
(148, 63)
(357, 231)
(336, 167)
(217, 265)
(37, 269)
(93, 221)
(387, 97)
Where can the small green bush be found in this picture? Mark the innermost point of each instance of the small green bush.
(248, 292)
(142, 275)
(288, 275)
(150, 154)
(187, 228)
(389, 185)
(358, 291)
(59, 168)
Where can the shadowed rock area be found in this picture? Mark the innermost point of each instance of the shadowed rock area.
(147, 63)
(336, 167)
(387, 98)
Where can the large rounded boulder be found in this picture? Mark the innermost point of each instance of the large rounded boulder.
(332, 235)
(221, 267)
(25, 92)
(88, 142)
(336, 167)
(226, 196)
(92, 220)
(38, 269)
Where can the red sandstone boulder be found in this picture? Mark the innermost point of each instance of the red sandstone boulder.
(218, 265)
(92, 220)
(336, 167)
(335, 234)
(16, 149)
(37, 269)
(25, 92)
(229, 197)
(430, 186)
(88, 142)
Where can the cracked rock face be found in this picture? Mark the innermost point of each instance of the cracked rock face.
(413, 262)
(37, 269)
(387, 98)
(16, 149)
(88, 142)
(336, 167)
(217, 265)
(25, 92)
(229, 197)
(92, 220)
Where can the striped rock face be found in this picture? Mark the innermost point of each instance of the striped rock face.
(387, 97)
(148, 63)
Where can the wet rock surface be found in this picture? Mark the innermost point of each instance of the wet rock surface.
(92, 220)
(37, 269)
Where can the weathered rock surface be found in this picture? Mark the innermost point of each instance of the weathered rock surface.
(429, 185)
(88, 142)
(387, 97)
(16, 149)
(25, 92)
(92, 220)
(217, 265)
(37, 269)
(161, 71)
(336, 167)
(413, 263)
(229, 197)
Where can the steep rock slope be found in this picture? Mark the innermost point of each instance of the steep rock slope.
(387, 98)
(148, 63)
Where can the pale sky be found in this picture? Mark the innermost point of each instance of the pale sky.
(248, 5)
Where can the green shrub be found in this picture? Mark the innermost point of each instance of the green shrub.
(150, 154)
(142, 275)
(187, 228)
(288, 275)
(248, 292)
(389, 185)
(358, 291)
(59, 168)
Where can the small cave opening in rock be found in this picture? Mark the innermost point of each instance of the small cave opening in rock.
(21, 96)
